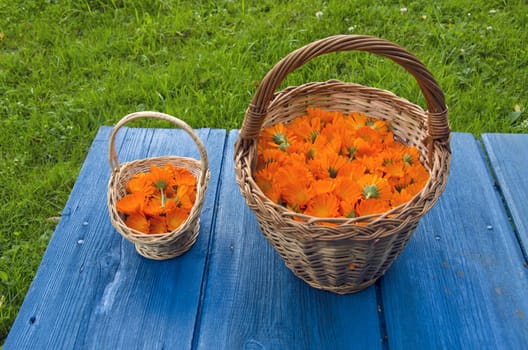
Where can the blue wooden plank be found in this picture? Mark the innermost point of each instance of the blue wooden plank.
(508, 154)
(252, 301)
(92, 290)
(460, 283)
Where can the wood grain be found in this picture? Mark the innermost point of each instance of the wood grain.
(92, 289)
(460, 283)
(252, 301)
(508, 154)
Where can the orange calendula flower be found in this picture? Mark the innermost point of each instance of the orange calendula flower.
(372, 206)
(183, 177)
(411, 156)
(140, 183)
(352, 170)
(324, 116)
(358, 119)
(161, 178)
(327, 143)
(296, 194)
(184, 197)
(277, 136)
(418, 174)
(347, 189)
(373, 187)
(401, 197)
(264, 177)
(361, 148)
(295, 182)
(274, 194)
(272, 155)
(154, 207)
(176, 217)
(326, 165)
(368, 134)
(378, 125)
(306, 129)
(393, 170)
(323, 186)
(158, 224)
(132, 203)
(155, 196)
(324, 205)
(414, 188)
(138, 222)
(348, 209)
(331, 164)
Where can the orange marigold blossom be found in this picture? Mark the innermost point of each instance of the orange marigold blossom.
(140, 183)
(176, 217)
(264, 176)
(306, 129)
(132, 203)
(158, 201)
(323, 186)
(158, 224)
(271, 155)
(372, 206)
(277, 136)
(325, 205)
(347, 209)
(295, 185)
(401, 197)
(138, 222)
(330, 164)
(346, 189)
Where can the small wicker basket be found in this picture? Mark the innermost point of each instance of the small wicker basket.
(167, 245)
(355, 252)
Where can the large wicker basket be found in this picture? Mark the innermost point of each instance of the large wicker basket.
(355, 252)
(177, 242)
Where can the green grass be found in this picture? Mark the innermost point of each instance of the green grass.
(68, 67)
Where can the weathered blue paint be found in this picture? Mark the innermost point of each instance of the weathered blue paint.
(460, 283)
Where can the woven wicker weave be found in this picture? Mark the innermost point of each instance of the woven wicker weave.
(177, 242)
(353, 254)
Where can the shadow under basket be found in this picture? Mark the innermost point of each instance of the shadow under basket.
(166, 245)
(354, 253)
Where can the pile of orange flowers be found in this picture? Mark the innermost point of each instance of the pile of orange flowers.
(328, 164)
(158, 201)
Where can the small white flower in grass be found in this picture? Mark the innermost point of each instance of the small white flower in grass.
(403, 10)
(424, 17)
(469, 14)
(319, 14)
(492, 11)
(352, 28)
(489, 28)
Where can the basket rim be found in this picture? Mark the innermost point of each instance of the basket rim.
(288, 91)
(245, 170)
(156, 238)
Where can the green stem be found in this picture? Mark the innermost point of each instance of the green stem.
(162, 198)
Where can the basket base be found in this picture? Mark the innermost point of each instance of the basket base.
(157, 254)
(170, 250)
(343, 289)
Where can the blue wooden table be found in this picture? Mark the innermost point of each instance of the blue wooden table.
(461, 283)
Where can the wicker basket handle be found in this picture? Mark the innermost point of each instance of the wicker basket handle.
(437, 110)
(112, 154)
